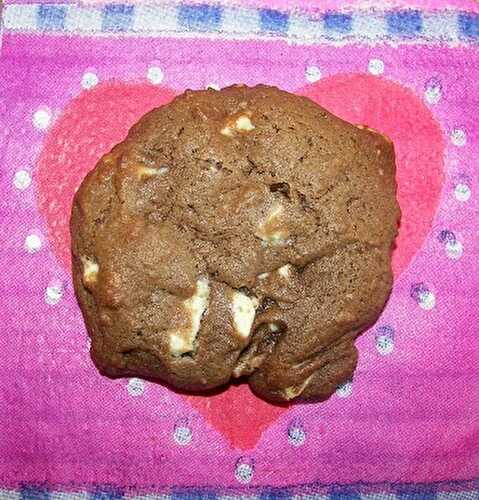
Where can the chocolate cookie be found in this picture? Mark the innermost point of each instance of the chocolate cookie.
(245, 232)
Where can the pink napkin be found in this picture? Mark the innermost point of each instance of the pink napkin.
(74, 78)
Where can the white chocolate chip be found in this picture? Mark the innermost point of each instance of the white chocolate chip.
(197, 304)
(244, 311)
(90, 270)
(213, 86)
(182, 340)
(238, 371)
(244, 124)
(283, 271)
(295, 390)
(276, 209)
(178, 345)
(227, 131)
(150, 172)
(241, 124)
(269, 230)
(273, 327)
(263, 276)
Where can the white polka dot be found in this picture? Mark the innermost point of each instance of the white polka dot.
(183, 435)
(22, 179)
(213, 86)
(42, 118)
(462, 192)
(376, 67)
(135, 387)
(454, 249)
(384, 344)
(296, 435)
(33, 243)
(427, 300)
(155, 75)
(243, 472)
(53, 294)
(345, 389)
(89, 80)
(433, 91)
(312, 74)
(458, 137)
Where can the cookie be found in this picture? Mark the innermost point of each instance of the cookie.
(241, 233)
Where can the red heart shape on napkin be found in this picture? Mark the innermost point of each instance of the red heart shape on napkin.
(96, 120)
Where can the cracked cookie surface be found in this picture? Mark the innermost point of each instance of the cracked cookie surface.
(245, 232)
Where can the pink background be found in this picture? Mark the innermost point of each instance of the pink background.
(412, 414)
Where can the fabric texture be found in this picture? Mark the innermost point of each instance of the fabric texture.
(74, 78)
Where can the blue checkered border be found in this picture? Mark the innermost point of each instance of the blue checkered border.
(210, 20)
(445, 490)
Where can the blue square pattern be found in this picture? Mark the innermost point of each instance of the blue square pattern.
(405, 23)
(192, 494)
(117, 17)
(106, 494)
(416, 492)
(344, 493)
(51, 17)
(338, 22)
(275, 494)
(33, 493)
(468, 24)
(273, 21)
(199, 17)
